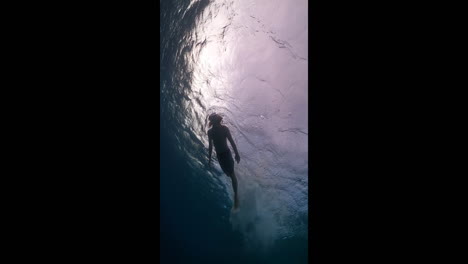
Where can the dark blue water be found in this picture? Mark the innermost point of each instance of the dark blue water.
(246, 60)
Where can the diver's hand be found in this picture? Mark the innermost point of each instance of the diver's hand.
(237, 158)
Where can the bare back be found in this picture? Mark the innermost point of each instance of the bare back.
(219, 134)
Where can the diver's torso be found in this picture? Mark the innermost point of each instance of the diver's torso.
(219, 136)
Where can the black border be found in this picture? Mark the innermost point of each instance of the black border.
(86, 137)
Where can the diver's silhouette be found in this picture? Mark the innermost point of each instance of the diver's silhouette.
(217, 135)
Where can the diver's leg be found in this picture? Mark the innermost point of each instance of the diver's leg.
(234, 186)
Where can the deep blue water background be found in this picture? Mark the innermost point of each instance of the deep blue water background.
(194, 223)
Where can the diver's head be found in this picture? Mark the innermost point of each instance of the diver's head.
(215, 119)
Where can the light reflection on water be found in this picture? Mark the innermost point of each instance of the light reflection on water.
(247, 60)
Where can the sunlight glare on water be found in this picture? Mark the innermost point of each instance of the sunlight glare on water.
(248, 61)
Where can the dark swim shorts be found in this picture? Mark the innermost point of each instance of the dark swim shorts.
(226, 162)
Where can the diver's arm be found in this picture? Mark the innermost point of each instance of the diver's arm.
(210, 149)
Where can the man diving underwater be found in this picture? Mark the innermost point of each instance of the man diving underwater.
(218, 135)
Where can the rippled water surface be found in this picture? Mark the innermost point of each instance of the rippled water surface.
(246, 60)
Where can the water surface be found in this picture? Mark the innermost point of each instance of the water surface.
(246, 60)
